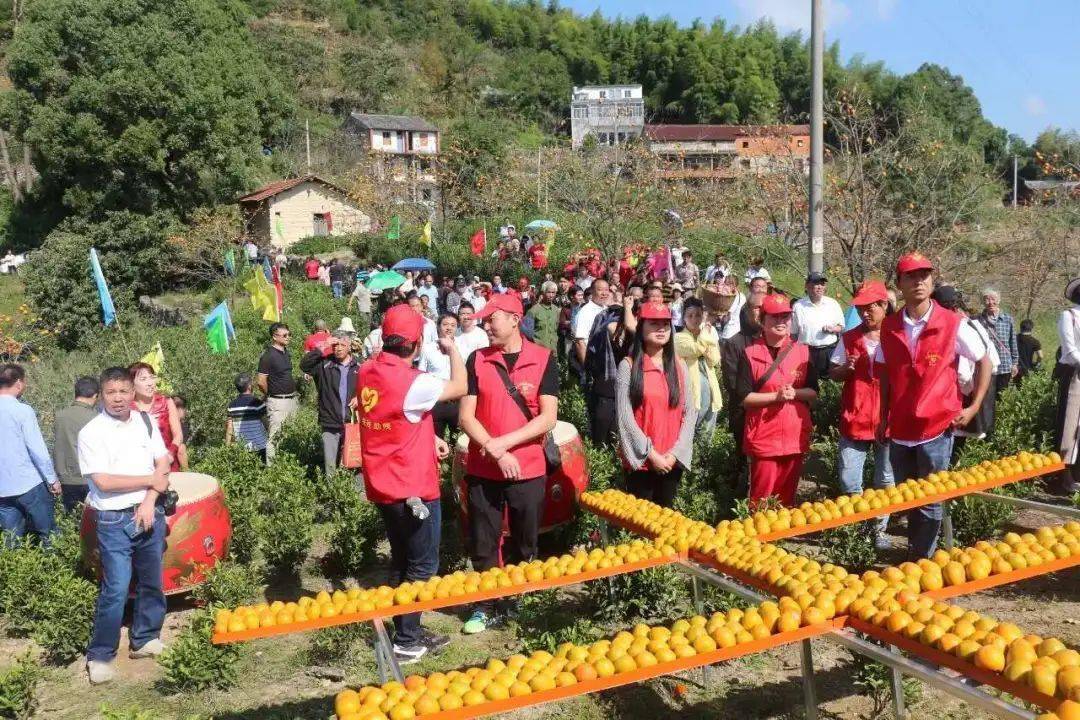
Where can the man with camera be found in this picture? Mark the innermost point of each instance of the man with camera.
(125, 461)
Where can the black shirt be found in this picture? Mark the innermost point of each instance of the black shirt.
(276, 365)
(549, 384)
(338, 273)
(744, 380)
(1027, 345)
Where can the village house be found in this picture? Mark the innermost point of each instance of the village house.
(720, 152)
(612, 114)
(283, 212)
(406, 150)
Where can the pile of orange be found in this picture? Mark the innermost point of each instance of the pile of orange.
(1068, 710)
(643, 646)
(358, 601)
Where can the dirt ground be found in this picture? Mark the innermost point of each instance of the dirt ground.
(277, 684)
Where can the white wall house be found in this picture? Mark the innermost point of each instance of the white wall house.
(407, 149)
(613, 114)
(282, 213)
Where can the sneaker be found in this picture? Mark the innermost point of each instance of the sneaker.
(477, 623)
(882, 542)
(410, 654)
(151, 649)
(100, 672)
(435, 643)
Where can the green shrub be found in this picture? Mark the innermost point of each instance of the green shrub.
(230, 583)
(301, 437)
(17, 685)
(705, 492)
(542, 623)
(335, 644)
(128, 713)
(572, 407)
(850, 546)
(320, 244)
(192, 663)
(649, 594)
(975, 519)
(356, 526)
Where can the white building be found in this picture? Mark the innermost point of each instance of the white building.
(406, 149)
(281, 213)
(613, 114)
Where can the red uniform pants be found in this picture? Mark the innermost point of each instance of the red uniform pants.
(775, 476)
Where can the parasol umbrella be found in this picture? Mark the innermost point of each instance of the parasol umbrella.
(414, 264)
(541, 225)
(385, 280)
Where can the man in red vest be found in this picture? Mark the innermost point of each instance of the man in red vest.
(505, 467)
(920, 392)
(401, 454)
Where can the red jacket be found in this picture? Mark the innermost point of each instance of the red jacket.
(860, 401)
(498, 412)
(782, 428)
(398, 456)
(924, 394)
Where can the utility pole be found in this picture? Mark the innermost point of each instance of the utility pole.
(307, 144)
(815, 261)
(1014, 181)
(538, 179)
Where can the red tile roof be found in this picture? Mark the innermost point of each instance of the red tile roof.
(275, 188)
(684, 133)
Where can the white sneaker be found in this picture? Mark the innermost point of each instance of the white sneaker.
(151, 649)
(100, 672)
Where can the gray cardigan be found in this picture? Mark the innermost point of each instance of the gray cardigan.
(633, 442)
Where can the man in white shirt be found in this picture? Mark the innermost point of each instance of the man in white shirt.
(431, 334)
(817, 320)
(599, 298)
(436, 362)
(470, 336)
(127, 467)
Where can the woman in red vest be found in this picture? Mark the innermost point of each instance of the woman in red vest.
(777, 383)
(655, 421)
(852, 363)
(400, 456)
(162, 410)
(510, 405)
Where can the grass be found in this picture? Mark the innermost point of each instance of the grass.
(11, 294)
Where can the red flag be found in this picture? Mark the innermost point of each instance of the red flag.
(478, 241)
(279, 290)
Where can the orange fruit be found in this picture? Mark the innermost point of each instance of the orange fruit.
(402, 711)
(1068, 710)
(426, 705)
(1017, 671)
(990, 657)
(346, 702)
(1043, 679)
(450, 701)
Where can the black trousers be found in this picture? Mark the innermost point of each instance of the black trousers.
(487, 499)
(819, 356)
(601, 419)
(1000, 382)
(656, 487)
(414, 555)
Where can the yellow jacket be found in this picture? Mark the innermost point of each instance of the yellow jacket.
(705, 346)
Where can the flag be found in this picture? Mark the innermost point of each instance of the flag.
(263, 296)
(479, 242)
(425, 237)
(230, 262)
(219, 328)
(279, 290)
(156, 359)
(108, 310)
(393, 230)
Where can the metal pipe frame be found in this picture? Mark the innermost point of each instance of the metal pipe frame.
(1069, 513)
(899, 663)
(384, 653)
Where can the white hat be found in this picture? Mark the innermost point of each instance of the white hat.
(346, 326)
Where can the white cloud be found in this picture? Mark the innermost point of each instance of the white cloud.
(790, 15)
(1035, 105)
(885, 9)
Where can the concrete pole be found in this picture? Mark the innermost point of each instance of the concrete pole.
(1014, 181)
(816, 249)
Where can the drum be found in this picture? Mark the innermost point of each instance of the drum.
(197, 537)
(564, 486)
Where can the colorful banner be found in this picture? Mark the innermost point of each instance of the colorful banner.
(108, 310)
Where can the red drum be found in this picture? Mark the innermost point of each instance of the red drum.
(197, 537)
(563, 486)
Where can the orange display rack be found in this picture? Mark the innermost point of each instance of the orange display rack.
(992, 581)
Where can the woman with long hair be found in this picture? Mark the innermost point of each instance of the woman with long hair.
(655, 412)
(162, 410)
(698, 344)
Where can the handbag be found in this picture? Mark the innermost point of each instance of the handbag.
(350, 444)
(552, 456)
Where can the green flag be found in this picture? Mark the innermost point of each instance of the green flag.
(217, 336)
(393, 230)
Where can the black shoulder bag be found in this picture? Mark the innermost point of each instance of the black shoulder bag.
(551, 449)
(760, 382)
(168, 499)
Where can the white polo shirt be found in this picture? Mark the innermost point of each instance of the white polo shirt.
(584, 321)
(809, 320)
(118, 447)
(471, 341)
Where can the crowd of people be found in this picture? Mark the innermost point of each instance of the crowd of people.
(657, 348)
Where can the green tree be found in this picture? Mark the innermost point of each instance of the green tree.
(139, 105)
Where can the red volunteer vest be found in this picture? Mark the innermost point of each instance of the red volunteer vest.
(659, 421)
(398, 456)
(784, 428)
(499, 414)
(924, 395)
(860, 401)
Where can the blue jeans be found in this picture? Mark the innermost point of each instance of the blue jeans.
(338, 288)
(853, 458)
(414, 555)
(120, 555)
(917, 462)
(35, 508)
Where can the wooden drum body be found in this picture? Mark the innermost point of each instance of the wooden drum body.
(197, 535)
(564, 486)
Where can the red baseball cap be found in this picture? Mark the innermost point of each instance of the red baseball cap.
(775, 304)
(506, 302)
(871, 291)
(403, 321)
(654, 311)
(913, 261)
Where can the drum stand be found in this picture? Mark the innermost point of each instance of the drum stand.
(384, 654)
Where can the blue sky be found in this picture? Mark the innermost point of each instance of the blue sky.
(1020, 58)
